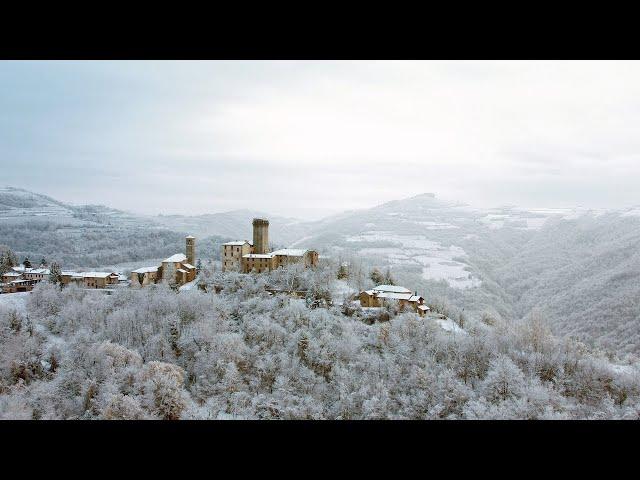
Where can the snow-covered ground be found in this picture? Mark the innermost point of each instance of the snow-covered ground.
(532, 218)
(437, 261)
(429, 225)
(189, 285)
(341, 289)
(449, 325)
(14, 300)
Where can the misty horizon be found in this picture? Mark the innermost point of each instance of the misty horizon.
(257, 210)
(309, 139)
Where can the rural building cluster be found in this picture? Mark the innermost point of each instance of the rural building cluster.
(244, 256)
(177, 270)
(23, 279)
(401, 297)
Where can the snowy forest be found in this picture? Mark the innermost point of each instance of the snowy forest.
(238, 352)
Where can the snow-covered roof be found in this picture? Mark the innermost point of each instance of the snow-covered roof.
(71, 274)
(391, 288)
(423, 307)
(177, 258)
(43, 271)
(11, 274)
(237, 243)
(394, 295)
(257, 255)
(98, 274)
(290, 252)
(190, 236)
(145, 270)
(188, 265)
(181, 270)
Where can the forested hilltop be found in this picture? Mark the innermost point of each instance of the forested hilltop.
(579, 267)
(96, 236)
(242, 353)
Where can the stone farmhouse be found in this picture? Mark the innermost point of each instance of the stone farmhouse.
(176, 270)
(90, 279)
(384, 295)
(244, 256)
(23, 279)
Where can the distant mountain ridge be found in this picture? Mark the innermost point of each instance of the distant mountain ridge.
(580, 267)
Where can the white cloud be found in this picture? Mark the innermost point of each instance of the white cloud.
(318, 137)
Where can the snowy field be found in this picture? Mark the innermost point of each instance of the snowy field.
(437, 262)
(534, 218)
(429, 225)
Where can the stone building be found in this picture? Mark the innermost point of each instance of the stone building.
(144, 276)
(22, 279)
(191, 250)
(176, 270)
(232, 253)
(401, 297)
(244, 256)
(260, 236)
(99, 279)
(90, 279)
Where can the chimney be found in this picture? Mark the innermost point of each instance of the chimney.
(191, 250)
(260, 235)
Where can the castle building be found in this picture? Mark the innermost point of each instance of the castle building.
(232, 253)
(244, 256)
(392, 294)
(176, 270)
(260, 236)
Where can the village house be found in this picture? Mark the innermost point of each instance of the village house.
(244, 256)
(176, 270)
(90, 279)
(384, 295)
(144, 276)
(23, 279)
(99, 279)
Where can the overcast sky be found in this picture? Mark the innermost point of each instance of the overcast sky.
(316, 138)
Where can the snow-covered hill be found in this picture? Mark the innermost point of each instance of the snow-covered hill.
(579, 267)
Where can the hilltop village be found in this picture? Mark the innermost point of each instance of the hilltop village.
(179, 271)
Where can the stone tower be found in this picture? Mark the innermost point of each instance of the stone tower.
(191, 250)
(260, 235)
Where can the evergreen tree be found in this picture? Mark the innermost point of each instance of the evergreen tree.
(343, 271)
(55, 275)
(43, 262)
(26, 262)
(199, 266)
(377, 277)
(7, 259)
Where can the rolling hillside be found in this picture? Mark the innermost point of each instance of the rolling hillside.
(579, 268)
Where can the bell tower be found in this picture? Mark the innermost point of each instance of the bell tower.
(191, 250)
